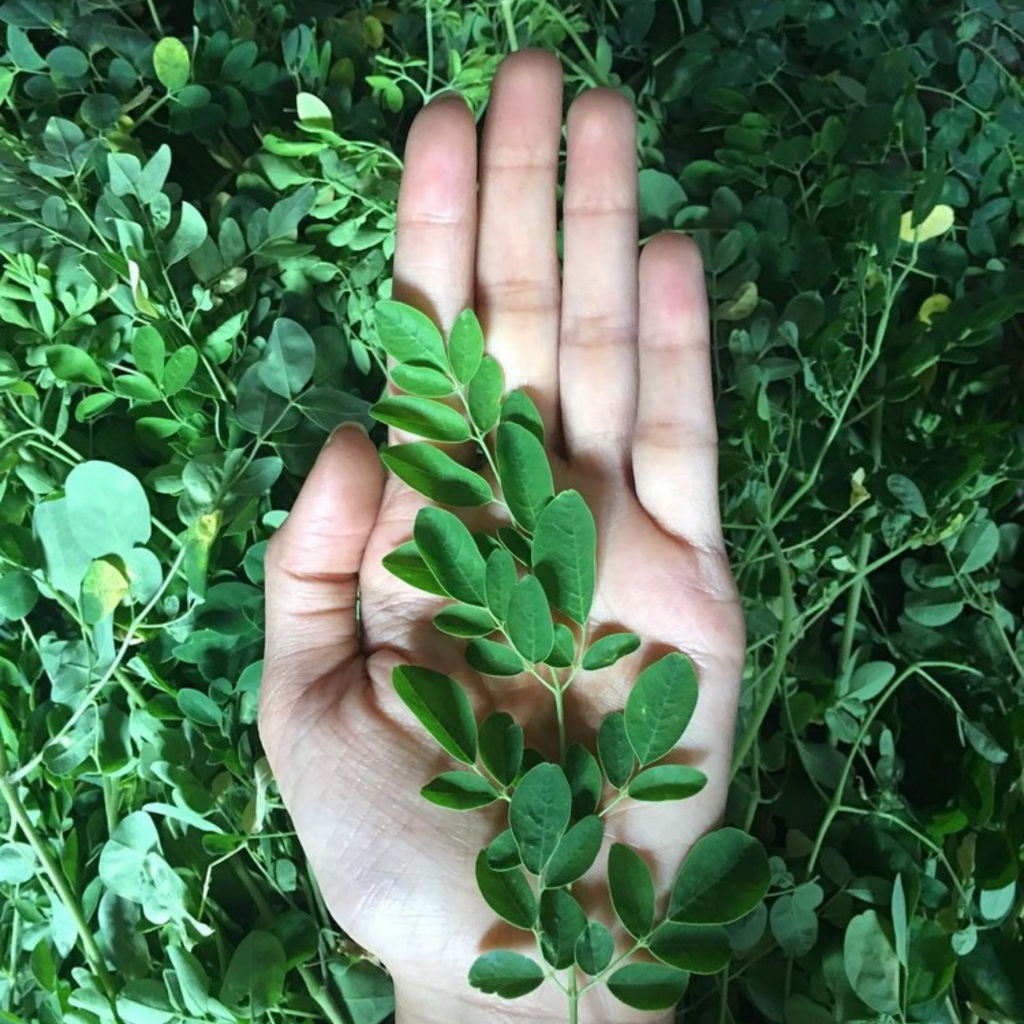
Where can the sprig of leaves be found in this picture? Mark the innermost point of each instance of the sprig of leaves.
(509, 589)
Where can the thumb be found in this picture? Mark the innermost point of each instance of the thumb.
(312, 566)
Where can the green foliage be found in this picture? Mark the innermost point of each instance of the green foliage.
(190, 288)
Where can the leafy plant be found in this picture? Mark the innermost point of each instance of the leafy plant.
(555, 809)
(871, 472)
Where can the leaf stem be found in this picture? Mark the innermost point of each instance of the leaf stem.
(55, 875)
(108, 675)
(781, 654)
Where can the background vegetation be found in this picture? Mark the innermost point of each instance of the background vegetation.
(162, 210)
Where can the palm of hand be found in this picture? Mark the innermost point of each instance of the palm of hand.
(396, 872)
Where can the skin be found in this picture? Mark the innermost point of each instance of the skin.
(616, 357)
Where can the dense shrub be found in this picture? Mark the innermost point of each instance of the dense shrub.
(192, 235)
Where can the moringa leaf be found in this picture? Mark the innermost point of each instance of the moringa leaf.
(539, 814)
(465, 346)
(459, 791)
(507, 893)
(423, 417)
(660, 706)
(484, 396)
(501, 746)
(431, 472)
(505, 973)
(529, 620)
(564, 554)
(524, 474)
(614, 750)
(464, 620)
(667, 782)
(631, 886)
(409, 336)
(609, 649)
(576, 852)
(499, 582)
(562, 921)
(421, 380)
(518, 408)
(442, 707)
(407, 564)
(493, 659)
(451, 553)
(594, 948)
(648, 986)
(725, 875)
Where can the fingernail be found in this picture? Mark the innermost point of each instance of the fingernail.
(347, 425)
(451, 96)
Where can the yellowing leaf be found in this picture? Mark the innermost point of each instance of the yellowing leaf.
(858, 492)
(103, 589)
(741, 305)
(313, 110)
(937, 303)
(938, 222)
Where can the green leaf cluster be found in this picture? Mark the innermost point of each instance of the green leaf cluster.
(174, 232)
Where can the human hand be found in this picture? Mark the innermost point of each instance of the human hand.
(616, 358)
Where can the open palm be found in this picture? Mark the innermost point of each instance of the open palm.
(615, 356)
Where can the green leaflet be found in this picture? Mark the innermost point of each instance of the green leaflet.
(459, 791)
(585, 780)
(517, 545)
(648, 986)
(565, 554)
(525, 473)
(450, 552)
(503, 853)
(442, 707)
(464, 620)
(409, 336)
(507, 893)
(562, 921)
(518, 408)
(563, 653)
(667, 782)
(407, 564)
(421, 380)
(529, 620)
(660, 706)
(632, 889)
(465, 346)
(484, 396)
(501, 746)
(492, 658)
(576, 852)
(499, 582)
(614, 750)
(504, 973)
(539, 814)
(423, 417)
(438, 476)
(609, 649)
(594, 948)
(724, 877)
(697, 948)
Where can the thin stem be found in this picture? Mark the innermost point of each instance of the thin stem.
(864, 544)
(781, 654)
(155, 16)
(108, 675)
(574, 999)
(55, 875)
(560, 714)
(510, 25)
(430, 47)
